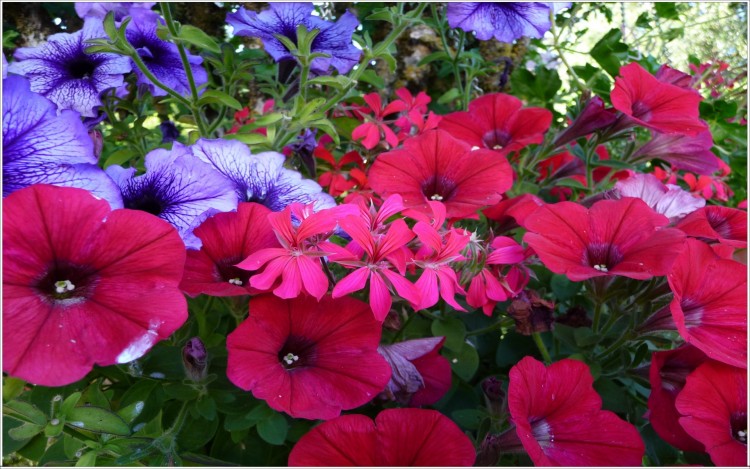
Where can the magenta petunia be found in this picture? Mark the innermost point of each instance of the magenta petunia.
(723, 224)
(710, 303)
(227, 238)
(499, 122)
(397, 437)
(714, 408)
(436, 166)
(84, 285)
(615, 237)
(655, 104)
(559, 421)
(306, 358)
(669, 370)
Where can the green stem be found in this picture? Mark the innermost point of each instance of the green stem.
(142, 67)
(194, 108)
(498, 325)
(542, 348)
(616, 345)
(597, 316)
(556, 45)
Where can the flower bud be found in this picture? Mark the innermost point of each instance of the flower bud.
(194, 359)
(98, 140)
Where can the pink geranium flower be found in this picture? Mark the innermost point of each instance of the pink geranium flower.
(615, 237)
(370, 131)
(295, 266)
(227, 238)
(397, 437)
(490, 286)
(498, 122)
(306, 358)
(655, 104)
(559, 421)
(84, 285)
(714, 408)
(436, 166)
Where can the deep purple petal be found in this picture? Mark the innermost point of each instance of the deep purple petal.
(505, 21)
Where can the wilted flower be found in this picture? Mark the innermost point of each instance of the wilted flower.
(420, 375)
(195, 359)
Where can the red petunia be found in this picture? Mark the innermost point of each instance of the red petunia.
(436, 166)
(227, 238)
(311, 360)
(510, 213)
(723, 224)
(397, 437)
(615, 237)
(714, 408)
(559, 420)
(84, 285)
(499, 122)
(655, 104)
(669, 370)
(710, 303)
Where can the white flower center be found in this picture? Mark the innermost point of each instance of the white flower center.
(436, 197)
(64, 285)
(290, 358)
(235, 281)
(601, 268)
(742, 435)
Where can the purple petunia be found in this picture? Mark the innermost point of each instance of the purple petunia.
(162, 58)
(177, 187)
(100, 9)
(64, 73)
(334, 39)
(261, 178)
(505, 21)
(40, 146)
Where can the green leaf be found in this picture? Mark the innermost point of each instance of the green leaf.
(339, 82)
(666, 10)
(181, 392)
(454, 331)
(369, 76)
(381, 14)
(248, 139)
(563, 288)
(206, 407)
(465, 362)
(131, 412)
(12, 388)
(469, 418)
(568, 182)
(585, 336)
(69, 403)
(291, 46)
(87, 460)
(120, 156)
(610, 52)
(25, 410)
(613, 164)
(449, 96)
(219, 97)
(327, 126)
(268, 119)
(25, 431)
(198, 38)
(98, 420)
(273, 429)
(439, 55)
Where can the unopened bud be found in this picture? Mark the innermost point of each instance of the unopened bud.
(194, 358)
(98, 141)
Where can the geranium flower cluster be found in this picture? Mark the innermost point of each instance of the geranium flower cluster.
(349, 292)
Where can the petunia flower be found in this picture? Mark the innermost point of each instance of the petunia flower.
(505, 21)
(669, 200)
(100, 9)
(94, 287)
(511, 213)
(306, 358)
(333, 39)
(421, 376)
(397, 437)
(294, 266)
(499, 122)
(615, 237)
(558, 418)
(162, 58)
(40, 146)
(654, 104)
(714, 408)
(710, 303)
(668, 373)
(226, 239)
(436, 166)
(260, 177)
(690, 153)
(716, 223)
(64, 73)
(177, 187)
